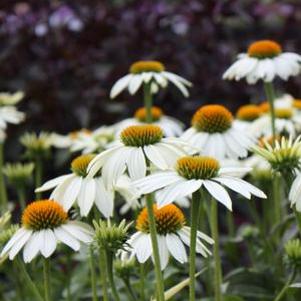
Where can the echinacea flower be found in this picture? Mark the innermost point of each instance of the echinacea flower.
(170, 126)
(264, 61)
(137, 143)
(149, 72)
(44, 224)
(284, 155)
(85, 191)
(192, 173)
(66, 141)
(246, 115)
(172, 236)
(287, 122)
(213, 133)
(9, 114)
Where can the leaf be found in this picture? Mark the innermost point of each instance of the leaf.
(178, 287)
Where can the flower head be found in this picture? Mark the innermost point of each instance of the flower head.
(156, 113)
(214, 133)
(191, 174)
(264, 60)
(293, 252)
(18, 173)
(44, 224)
(248, 113)
(172, 234)
(152, 73)
(283, 154)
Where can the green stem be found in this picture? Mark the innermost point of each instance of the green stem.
(216, 255)
(129, 289)
(3, 193)
(142, 282)
(194, 213)
(29, 283)
(93, 276)
(109, 257)
(103, 274)
(21, 196)
(286, 286)
(230, 224)
(153, 233)
(277, 201)
(148, 101)
(46, 271)
(270, 94)
(298, 218)
(38, 176)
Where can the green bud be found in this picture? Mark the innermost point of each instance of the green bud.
(18, 173)
(293, 252)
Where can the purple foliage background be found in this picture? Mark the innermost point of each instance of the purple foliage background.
(67, 54)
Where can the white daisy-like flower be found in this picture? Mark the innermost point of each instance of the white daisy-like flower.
(137, 143)
(192, 173)
(172, 236)
(9, 114)
(264, 61)
(246, 115)
(287, 121)
(213, 133)
(170, 126)
(149, 72)
(44, 224)
(85, 191)
(10, 99)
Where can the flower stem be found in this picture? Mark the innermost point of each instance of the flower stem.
(46, 272)
(3, 195)
(286, 286)
(129, 289)
(21, 196)
(153, 233)
(148, 101)
(38, 176)
(216, 255)
(270, 94)
(93, 276)
(103, 274)
(29, 283)
(109, 257)
(194, 213)
(142, 282)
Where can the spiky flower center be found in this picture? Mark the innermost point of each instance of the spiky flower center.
(44, 214)
(156, 113)
(264, 107)
(141, 135)
(75, 134)
(197, 167)
(297, 104)
(146, 66)
(264, 49)
(169, 219)
(284, 113)
(212, 119)
(80, 164)
(248, 112)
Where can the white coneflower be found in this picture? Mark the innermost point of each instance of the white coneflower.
(149, 72)
(192, 173)
(9, 114)
(264, 61)
(170, 126)
(44, 224)
(137, 143)
(246, 115)
(85, 191)
(172, 236)
(213, 133)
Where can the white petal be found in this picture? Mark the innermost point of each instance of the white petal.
(135, 83)
(64, 236)
(155, 157)
(219, 193)
(78, 232)
(120, 85)
(18, 245)
(71, 193)
(48, 244)
(32, 247)
(86, 196)
(163, 251)
(104, 199)
(143, 248)
(176, 247)
(53, 183)
(136, 164)
(14, 239)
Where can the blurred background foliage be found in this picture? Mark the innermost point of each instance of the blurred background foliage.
(66, 55)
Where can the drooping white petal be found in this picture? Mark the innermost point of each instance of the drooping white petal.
(135, 83)
(163, 251)
(104, 199)
(143, 248)
(176, 247)
(14, 239)
(32, 247)
(18, 245)
(53, 183)
(155, 157)
(136, 164)
(48, 242)
(78, 232)
(219, 193)
(86, 196)
(71, 193)
(120, 85)
(64, 236)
